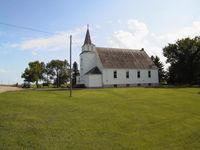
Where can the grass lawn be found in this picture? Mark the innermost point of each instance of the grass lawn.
(101, 119)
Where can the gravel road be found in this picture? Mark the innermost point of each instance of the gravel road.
(8, 88)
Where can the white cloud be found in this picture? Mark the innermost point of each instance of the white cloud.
(34, 53)
(137, 36)
(189, 31)
(139, 28)
(3, 71)
(55, 42)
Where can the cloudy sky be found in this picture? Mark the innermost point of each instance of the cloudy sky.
(132, 24)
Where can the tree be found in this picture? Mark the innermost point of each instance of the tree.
(159, 64)
(58, 71)
(184, 59)
(75, 73)
(34, 72)
(47, 75)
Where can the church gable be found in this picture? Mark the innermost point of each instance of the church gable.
(94, 70)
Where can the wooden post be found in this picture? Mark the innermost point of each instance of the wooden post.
(70, 76)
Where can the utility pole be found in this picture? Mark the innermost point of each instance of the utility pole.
(70, 76)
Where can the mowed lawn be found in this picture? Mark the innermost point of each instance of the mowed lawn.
(101, 119)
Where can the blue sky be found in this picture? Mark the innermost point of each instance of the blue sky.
(114, 23)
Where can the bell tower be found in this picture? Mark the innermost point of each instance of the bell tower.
(87, 56)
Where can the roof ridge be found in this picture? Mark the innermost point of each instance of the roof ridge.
(113, 48)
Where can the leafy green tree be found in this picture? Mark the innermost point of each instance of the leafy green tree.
(184, 59)
(34, 73)
(58, 70)
(159, 64)
(47, 75)
(28, 77)
(75, 72)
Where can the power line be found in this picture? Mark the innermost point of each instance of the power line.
(26, 28)
(31, 29)
(42, 31)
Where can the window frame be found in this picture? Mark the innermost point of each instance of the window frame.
(138, 74)
(127, 74)
(149, 73)
(115, 74)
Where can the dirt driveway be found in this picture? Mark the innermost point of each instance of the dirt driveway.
(8, 88)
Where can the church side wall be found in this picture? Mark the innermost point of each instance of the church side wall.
(133, 80)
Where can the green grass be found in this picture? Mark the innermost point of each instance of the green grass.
(101, 119)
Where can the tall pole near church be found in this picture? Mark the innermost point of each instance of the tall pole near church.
(70, 76)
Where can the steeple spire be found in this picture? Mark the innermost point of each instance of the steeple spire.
(87, 37)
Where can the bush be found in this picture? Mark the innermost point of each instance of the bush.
(26, 85)
(45, 84)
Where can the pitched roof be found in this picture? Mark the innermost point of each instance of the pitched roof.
(94, 70)
(87, 38)
(124, 58)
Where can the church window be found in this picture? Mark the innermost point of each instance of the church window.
(127, 74)
(138, 74)
(149, 74)
(115, 74)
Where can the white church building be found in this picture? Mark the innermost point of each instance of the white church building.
(115, 67)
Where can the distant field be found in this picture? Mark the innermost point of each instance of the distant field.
(101, 119)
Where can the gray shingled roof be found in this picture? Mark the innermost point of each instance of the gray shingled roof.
(124, 58)
(94, 70)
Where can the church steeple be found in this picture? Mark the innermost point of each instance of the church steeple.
(87, 37)
(88, 46)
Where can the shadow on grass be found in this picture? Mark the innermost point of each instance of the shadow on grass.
(55, 89)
